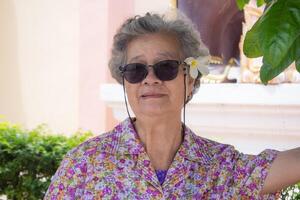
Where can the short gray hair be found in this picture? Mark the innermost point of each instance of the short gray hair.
(178, 25)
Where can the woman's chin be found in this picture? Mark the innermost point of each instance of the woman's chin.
(153, 111)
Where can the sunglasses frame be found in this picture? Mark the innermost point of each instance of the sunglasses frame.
(123, 70)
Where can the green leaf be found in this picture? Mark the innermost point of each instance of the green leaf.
(259, 3)
(298, 65)
(252, 43)
(275, 36)
(280, 27)
(268, 71)
(297, 54)
(265, 73)
(241, 3)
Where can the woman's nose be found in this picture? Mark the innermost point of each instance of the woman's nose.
(151, 78)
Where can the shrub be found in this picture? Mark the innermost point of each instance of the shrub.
(292, 192)
(28, 159)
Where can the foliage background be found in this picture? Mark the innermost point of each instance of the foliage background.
(29, 158)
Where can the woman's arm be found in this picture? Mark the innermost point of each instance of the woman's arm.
(285, 171)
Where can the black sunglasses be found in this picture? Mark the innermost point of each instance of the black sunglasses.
(165, 70)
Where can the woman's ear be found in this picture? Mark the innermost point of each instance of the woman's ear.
(191, 82)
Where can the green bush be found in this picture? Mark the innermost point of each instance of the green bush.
(292, 192)
(28, 159)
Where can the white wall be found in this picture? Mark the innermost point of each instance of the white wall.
(252, 117)
(46, 40)
(50, 53)
(10, 83)
(143, 6)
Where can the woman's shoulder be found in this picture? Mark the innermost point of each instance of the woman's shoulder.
(214, 147)
(103, 143)
(226, 153)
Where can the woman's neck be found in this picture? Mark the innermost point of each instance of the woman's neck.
(161, 139)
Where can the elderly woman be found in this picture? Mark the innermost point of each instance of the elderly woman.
(153, 155)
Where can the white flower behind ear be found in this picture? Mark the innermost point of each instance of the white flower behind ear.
(197, 65)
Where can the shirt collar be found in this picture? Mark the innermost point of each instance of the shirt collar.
(193, 147)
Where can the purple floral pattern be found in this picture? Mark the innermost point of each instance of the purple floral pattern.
(115, 165)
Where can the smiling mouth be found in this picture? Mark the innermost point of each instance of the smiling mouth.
(152, 96)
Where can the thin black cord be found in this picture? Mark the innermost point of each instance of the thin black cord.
(123, 83)
(184, 101)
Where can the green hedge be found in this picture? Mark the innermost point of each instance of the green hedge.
(291, 193)
(28, 159)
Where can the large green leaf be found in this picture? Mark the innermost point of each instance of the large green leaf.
(274, 37)
(297, 55)
(280, 26)
(268, 71)
(298, 65)
(252, 43)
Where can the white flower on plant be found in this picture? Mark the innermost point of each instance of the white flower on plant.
(197, 65)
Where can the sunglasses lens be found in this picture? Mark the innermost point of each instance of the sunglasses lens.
(135, 72)
(166, 70)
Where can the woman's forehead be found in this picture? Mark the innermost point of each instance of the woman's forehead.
(158, 55)
(154, 46)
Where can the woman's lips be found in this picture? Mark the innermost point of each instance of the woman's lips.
(148, 96)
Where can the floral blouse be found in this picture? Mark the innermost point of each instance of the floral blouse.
(115, 166)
